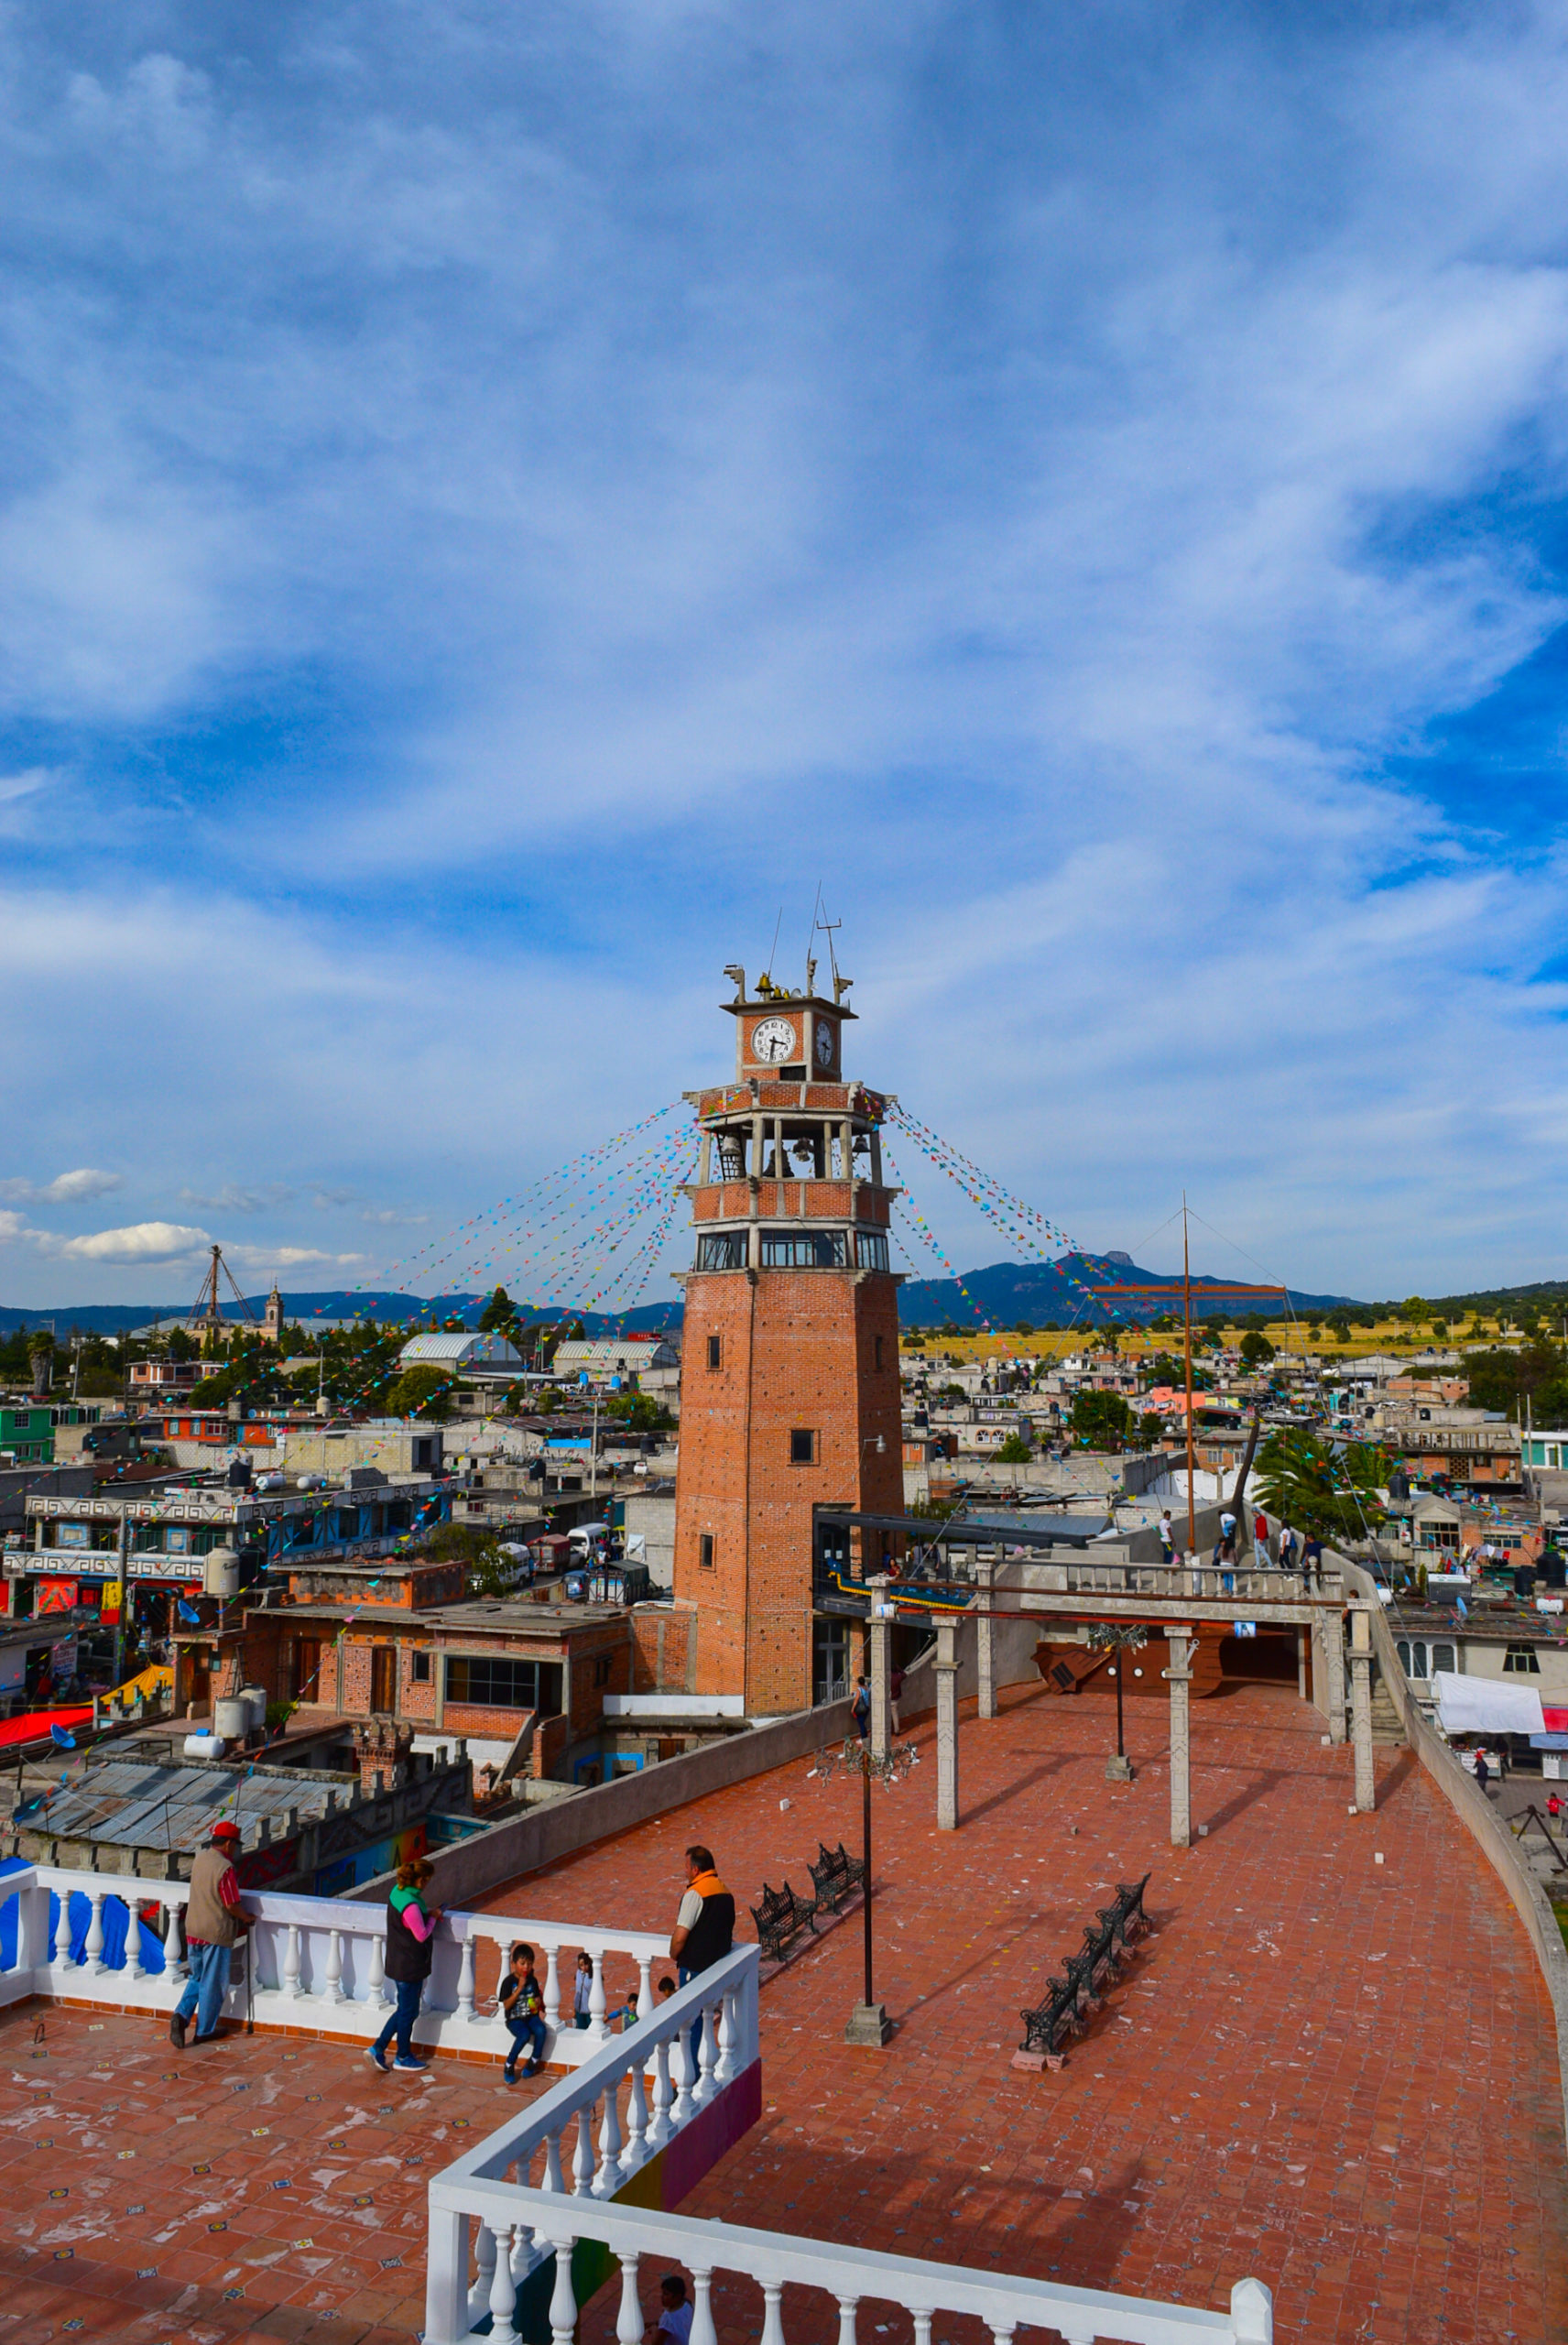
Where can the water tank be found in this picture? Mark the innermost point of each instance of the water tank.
(221, 1575)
(205, 1746)
(231, 1719)
(255, 1700)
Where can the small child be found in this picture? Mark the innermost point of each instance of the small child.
(675, 2314)
(582, 1989)
(522, 2008)
(666, 1989)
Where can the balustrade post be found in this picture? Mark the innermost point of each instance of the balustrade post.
(848, 2308)
(449, 2309)
(707, 2061)
(465, 1979)
(598, 2001)
(635, 2150)
(502, 2288)
(134, 1962)
(922, 2325)
(658, 2133)
(645, 1987)
(582, 2163)
(1252, 2313)
(725, 2067)
(563, 2302)
(609, 2178)
(684, 2105)
(378, 1970)
(630, 2323)
(553, 2177)
(773, 2318)
(485, 2260)
(703, 2331)
(335, 1968)
(551, 1988)
(292, 1962)
(92, 1951)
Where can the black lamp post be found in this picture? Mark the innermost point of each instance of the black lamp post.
(869, 2023)
(1119, 1639)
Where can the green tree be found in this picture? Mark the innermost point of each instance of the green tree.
(1319, 1487)
(1256, 1348)
(1023, 1327)
(1015, 1451)
(499, 1316)
(420, 1392)
(1101, 1420)
(1149, 1428)
(639, 1411)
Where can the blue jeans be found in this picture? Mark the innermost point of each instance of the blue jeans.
(685, 1978)
(406, 2010)
(206, 1987)
(528, 2030)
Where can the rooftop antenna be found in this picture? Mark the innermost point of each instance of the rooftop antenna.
(841, 986)
(207, 1310)
(774, 946)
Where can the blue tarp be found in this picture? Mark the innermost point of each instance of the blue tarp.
(117, 1919)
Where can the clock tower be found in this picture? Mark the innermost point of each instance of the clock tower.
(790, 1395)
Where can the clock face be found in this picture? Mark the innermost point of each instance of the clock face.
(773, 1041)
(824, 1044)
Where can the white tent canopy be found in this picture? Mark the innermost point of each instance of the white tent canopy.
(1485, 1706)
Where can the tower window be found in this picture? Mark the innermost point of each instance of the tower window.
(803, 1249)
(705, 1550)
(871, 1250)
(724, 1251)
(715, 1350)
(803, 1448)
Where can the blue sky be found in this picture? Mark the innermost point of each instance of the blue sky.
(494, 504)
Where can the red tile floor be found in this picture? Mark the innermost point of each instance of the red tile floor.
(1338, 2075)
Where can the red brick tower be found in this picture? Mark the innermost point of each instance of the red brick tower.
(789, 1354)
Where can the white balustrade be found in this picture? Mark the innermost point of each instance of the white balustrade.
(323, 1960)
(506, 2207)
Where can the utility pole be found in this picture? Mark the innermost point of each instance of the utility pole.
(1187, 1348)
(594, 1459)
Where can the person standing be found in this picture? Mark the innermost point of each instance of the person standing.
(411, 1950)
(215, 1921)
(1286, 1548)
(705, 1928)
(1261, 1535)
(860, 1707)
(1482, 1773)
(582, 1992)
(1167, 1538)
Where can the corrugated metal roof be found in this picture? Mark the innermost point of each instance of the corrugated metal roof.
(128, 1805)
(446, 1351)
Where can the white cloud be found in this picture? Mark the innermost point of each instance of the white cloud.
(141, 1241)
(1053, 505)
(66, 1188)
(233, 1199)
(287, 1257)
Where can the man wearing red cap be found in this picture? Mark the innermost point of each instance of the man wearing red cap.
(214, 1918)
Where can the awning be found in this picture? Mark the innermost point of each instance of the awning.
(1485, 1706)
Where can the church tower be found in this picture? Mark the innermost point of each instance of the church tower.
(272, 1318)
(789, 1396)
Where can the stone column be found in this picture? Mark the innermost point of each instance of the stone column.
(947, 1725)
(986, 1577)
(1180, 1676)
(1334, 1656)
(1361, 1711)
(880, 1673)
(1302, 1663)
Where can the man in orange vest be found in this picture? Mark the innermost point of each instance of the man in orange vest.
(214, 1922)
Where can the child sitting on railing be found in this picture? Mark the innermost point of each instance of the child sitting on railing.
(521, 2004)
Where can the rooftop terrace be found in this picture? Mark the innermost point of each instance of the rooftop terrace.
(1336, 2075)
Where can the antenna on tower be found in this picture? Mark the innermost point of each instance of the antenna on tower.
(830, 929)
(207, 1310)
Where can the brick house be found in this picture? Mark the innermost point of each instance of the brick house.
(402, 1642)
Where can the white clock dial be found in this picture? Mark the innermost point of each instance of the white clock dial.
(824, 1044)
(773, 1041)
